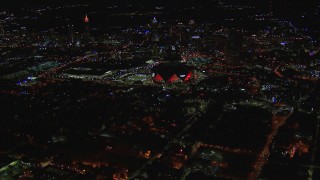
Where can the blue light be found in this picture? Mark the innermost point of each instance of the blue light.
(146, 32)
(312, 53)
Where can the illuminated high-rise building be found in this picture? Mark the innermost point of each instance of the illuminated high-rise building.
(155, 37)
(86, 35)
(71, 33)
(1, 30)
(233, 46)
(180, 25)
(86, 19)
(270, 7)
(86, 24)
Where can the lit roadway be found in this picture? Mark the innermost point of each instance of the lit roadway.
(193, 119)
(277, 122)
(52, 71)
(277, 72)
(314, 150)
(262, 159)
(59, 68)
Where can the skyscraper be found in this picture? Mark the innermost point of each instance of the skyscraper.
(270, 7)
(1, 30)
(86, 19)
(71, 33)
(86, 30)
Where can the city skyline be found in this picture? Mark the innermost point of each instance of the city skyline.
(159, 89)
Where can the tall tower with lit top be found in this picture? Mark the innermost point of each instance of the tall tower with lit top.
(86, 19)
(86, 24)
(270, 8)
(86, 38)
(2, 31)
(155, 38)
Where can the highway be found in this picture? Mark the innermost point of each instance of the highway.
(262, 159)
(48, 74)
(59, 68)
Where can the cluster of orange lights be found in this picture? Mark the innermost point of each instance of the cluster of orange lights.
(122, 175)
(219, 164)
(297, 148)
